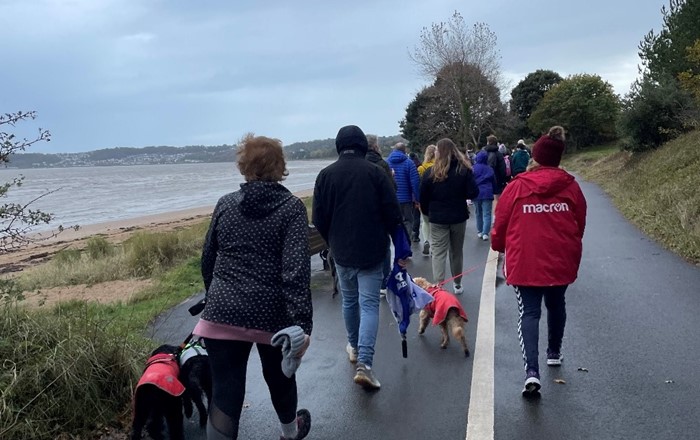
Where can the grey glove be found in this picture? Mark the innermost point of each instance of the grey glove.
(291, 340)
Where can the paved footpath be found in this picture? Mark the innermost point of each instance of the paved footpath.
(632, 324)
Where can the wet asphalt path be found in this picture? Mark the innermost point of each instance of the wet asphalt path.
(632, 323)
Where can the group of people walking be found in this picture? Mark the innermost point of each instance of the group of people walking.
(256, 266)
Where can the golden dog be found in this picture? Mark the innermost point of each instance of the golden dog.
(446, 311)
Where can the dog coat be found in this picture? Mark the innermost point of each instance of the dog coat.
(191, 350)
(443, 302)
(162, 371)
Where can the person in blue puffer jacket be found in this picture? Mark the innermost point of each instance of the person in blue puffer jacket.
(407, 182)
(486, 181)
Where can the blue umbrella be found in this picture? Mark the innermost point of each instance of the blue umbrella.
(403, 295)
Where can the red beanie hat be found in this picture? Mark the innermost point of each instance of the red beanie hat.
(547, 151)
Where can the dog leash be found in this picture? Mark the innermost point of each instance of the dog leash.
(465, 272)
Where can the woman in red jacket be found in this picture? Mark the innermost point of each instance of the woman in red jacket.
(540, 219)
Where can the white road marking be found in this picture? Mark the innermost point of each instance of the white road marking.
(481, 419)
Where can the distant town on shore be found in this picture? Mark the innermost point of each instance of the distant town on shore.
(317, 149)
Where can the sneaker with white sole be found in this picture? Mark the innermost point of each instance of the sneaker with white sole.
(554, 359)
(365, 377)
(532, 383)
(485, 237)
(459, 289)
(479, 235)
(352, 353)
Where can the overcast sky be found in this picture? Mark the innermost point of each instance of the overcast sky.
(117, 73)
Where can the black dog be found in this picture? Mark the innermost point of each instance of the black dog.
(158, 396)
(195, 375)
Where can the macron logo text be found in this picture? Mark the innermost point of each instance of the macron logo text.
(545, 207)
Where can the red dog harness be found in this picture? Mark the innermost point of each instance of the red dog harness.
(443, 302)
(162, 371)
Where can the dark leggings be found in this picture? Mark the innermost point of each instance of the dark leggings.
(229, 361)
(530, 307)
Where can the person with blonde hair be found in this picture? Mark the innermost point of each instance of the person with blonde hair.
(444, 191)
(540, 220)
(256, 271)
(428, 161)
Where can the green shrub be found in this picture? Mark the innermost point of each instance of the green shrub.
(148, 253)
(67, 256)
(98, 247)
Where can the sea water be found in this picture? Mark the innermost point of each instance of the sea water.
(89, 195)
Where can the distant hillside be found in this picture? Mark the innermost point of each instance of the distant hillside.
(317, 149)
(325, 148)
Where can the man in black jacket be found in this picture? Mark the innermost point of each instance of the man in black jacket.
(355, 209)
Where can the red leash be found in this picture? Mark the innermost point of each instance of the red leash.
(466, 272)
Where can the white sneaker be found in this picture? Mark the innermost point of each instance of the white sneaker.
(459, 289)
(382, 292)
(485, 237)
(352, 353)
(479, 235)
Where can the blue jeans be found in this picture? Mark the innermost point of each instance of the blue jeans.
(360, 289)
(483, 216)
(530, 308)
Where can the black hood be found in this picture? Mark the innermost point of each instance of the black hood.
(491, 148)
(351, 137)
(261, 198)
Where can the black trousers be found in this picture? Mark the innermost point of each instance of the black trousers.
(229, 362)
(530, 308)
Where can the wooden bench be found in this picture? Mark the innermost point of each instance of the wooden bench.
(317, 245)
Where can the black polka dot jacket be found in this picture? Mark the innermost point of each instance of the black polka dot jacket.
(255, 262)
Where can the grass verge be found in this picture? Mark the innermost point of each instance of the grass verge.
(655, 190)
(71, 369)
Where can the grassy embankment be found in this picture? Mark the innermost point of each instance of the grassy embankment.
(656, 190)
(71, 369)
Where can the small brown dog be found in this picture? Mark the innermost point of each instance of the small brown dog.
(446, 311)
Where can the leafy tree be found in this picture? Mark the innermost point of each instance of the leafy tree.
(463, 63)
(690, 79)
(653, 113)
(583, 104)
(17, 219)
(529, 92)
(664, 54)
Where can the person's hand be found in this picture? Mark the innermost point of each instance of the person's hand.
(307, 342)
(402, 263)
(416, 205)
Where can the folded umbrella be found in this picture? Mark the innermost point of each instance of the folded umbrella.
(403, 295)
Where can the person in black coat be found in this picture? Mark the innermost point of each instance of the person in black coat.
(355, 209)
(444, 191)
(498, 163)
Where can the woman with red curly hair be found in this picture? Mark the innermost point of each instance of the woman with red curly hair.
(256, 271)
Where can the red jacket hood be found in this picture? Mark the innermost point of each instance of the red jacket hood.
(543, 181)
(540, 220)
